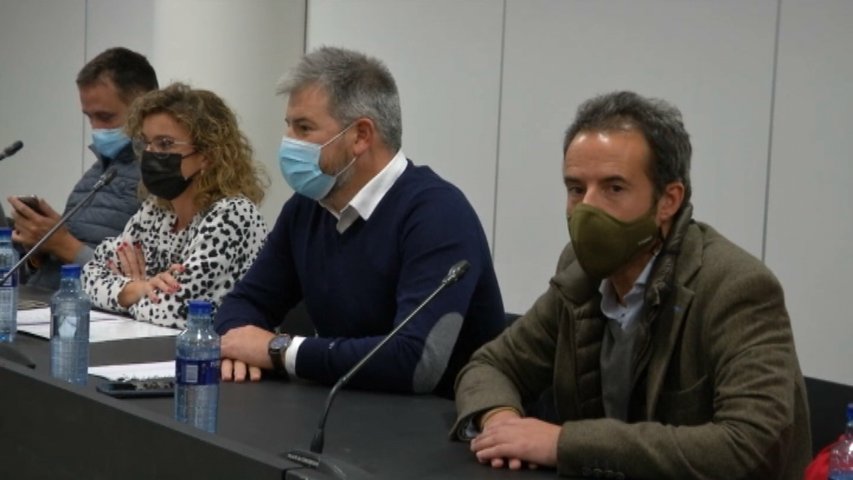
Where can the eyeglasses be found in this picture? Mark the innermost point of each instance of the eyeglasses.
(160, 146)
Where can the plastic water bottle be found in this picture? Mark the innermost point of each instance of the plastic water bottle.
(69, 328)
(9, 288)
(197, 370)
(841, 457)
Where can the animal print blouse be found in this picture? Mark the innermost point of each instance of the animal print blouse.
(216, 249)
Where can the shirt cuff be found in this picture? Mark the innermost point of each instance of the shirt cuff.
(468, 430)
(84, 255)
(290, 356)
(113, 291)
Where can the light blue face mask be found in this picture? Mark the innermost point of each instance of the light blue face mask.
(109, 141)
(300, 166)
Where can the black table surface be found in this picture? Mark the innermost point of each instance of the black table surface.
(386, 435)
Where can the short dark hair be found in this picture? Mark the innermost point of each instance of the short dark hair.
(129, 71)
(658, 121)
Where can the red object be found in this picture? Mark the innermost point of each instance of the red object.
(818, 469)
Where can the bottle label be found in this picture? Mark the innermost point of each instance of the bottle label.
(12, 281)
(68, 326)
(197, 372)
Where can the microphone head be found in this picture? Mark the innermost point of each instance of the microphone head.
(13, 148)
(456, 271)
(109, 175)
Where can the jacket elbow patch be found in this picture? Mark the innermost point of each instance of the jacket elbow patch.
(438, 347)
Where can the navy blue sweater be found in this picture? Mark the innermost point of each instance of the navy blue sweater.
(359, 284)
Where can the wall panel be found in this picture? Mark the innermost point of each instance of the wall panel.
(41, 50)
(711, 59)
(809, 232)
(445, 56)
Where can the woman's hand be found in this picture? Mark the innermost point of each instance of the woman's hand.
(131, 264)
(131, 261)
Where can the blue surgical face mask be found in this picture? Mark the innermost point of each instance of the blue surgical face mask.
(300, 166)
(109, 141)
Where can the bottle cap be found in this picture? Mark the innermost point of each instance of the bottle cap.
(70, 270)
(200, 307)
(5, 233)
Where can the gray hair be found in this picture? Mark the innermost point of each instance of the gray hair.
(658, 121)
(357, 85)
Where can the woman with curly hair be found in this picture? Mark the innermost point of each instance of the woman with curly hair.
(199, 229)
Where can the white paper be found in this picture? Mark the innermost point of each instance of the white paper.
(138, 371)
(29, 304)
(103, 326)
(36, 316)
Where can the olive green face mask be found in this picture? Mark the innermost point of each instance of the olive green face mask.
(603, 243)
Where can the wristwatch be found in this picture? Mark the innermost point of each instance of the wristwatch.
(276, 349)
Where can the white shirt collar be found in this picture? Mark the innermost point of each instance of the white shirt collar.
(365, 201)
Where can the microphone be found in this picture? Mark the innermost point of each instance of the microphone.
(11, 149)
(312, 459)
(103, 181)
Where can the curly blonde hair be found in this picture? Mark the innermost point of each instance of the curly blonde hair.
(215, 134)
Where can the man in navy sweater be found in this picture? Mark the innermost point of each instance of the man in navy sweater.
(366, 238)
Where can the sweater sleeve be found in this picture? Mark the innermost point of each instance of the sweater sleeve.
(100, 283)
(84, 254)
(512, 369)
(270, 287)
(439, 230)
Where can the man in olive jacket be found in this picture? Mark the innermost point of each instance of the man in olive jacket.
(667, 350)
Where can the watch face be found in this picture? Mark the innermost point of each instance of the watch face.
(279, 343)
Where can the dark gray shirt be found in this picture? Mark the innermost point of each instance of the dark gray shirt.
(617, 347)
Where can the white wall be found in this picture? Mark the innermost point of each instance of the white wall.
(488, 88)
(236, 49)
(809, 233)
(445, 56)
(110, 24)
(41, 49)
(560, 53)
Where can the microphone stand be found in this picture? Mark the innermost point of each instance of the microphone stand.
(7, 351)
(334, 468)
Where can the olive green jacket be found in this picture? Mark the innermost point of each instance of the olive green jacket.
(717, 390)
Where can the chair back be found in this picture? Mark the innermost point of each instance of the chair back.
(827, 410)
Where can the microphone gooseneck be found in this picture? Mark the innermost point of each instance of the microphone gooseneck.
(103, 181)
(454, 274)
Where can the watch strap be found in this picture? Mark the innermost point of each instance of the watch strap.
(277, 348)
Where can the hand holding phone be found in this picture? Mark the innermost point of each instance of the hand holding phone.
(31, 201)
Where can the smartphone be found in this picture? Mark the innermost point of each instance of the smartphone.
(152, 387)
(31, 201)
